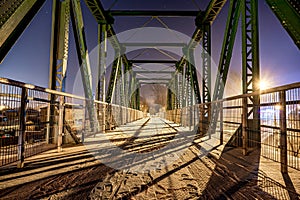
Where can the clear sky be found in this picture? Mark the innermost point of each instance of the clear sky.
(28, 60)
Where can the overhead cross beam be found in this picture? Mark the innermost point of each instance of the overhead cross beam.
(154, 61)
(153, 44)
(152, 79)
(153, 72)
(153, 13)
(152, 83)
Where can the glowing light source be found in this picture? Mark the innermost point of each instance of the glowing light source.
(277, 107)
(263, 85)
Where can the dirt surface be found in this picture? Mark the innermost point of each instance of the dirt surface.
(71, 174)
(203, 171)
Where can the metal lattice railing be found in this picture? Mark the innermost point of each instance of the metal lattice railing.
(27, 127)
(279, 132)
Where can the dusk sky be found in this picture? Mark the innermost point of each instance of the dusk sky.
(28, 60)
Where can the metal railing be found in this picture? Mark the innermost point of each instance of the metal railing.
(28, 127)
(279, 132)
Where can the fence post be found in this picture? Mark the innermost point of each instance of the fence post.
(21, 139)
(104, 108)
(245, 124)
(206, 123)
(48, 124)
(190, 117)
(221, 122)
(283, 132)
(60, 124)
(83, 132)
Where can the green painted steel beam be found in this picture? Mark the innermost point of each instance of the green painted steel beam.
(102, 52)
(206, 64)
(153, 79)
(250, 68)
(153, 44)
(288, 13)
(15, 17)
(154, 83)
(154, 61)
(208, 16)
(58, 56)
(102, 17)
(225, 58)
(250, 47)
(193, 76)
(153, 72)
(169, 99)
(227, 48)
(83, 58)
(113, 78)
(164, 13)
(59, 44)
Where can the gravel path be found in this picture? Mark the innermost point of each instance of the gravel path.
(202, 170)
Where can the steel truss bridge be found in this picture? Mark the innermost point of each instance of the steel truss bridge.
(265, 119)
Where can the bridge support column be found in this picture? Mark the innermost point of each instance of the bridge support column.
(100, 94)
(84, 63)
(58, 59)
(206, 72)
(250, 69)
(245, 125)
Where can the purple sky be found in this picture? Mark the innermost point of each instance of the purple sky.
(28, 60)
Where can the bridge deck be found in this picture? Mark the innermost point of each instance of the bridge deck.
(179, 171)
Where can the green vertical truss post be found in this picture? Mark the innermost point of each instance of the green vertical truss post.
(173, 90)
(138, 97)
(113, 78)
(102, 53)
(169, 99)
(176, 91)
(101, 86)
(127, 70)
(206, 78)
(132, 91)
(58, 57)
(193, 78)
(250, 65)
(184, 84)
(83, 57)
(206, 66)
